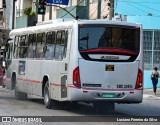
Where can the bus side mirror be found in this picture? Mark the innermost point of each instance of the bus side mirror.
(6, 47)
(7, 44)
(44, 49)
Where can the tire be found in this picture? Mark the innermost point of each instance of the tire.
(3, 85)
(19, 95)
(102, 107)
(1, 81)
(47, 100)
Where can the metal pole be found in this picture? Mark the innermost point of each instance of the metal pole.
(37, 11)
(99, 9)
(152, 48)
(50, 13)
(13, 17)
(111, 9)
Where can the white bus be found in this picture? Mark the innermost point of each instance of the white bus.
(95, 61)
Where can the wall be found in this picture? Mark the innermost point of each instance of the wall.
(21, 22)
(80, 11)
(9, 14)
(147, 80)
(93, 9)
(27, 3)
(137, 12)
(148, 23)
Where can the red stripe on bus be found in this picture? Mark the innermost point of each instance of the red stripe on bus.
(20, 79)
(85, 89)
(109, 50)
(28, 80)
(108, 89)
(72, 86)
(55, 84)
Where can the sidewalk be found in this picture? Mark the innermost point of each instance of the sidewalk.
(148, 93)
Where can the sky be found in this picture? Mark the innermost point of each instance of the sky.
(138, 7)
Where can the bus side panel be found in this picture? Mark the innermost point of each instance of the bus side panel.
(51, 68)
(34, 77)
(55, 71)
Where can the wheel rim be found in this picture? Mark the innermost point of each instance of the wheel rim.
(46, 95)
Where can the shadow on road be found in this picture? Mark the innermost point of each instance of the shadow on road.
(78, 108)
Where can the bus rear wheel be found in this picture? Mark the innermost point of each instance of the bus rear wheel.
(18, 95)
(47, 100)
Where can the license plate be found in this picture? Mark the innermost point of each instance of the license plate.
(108, 95)
(109, 67)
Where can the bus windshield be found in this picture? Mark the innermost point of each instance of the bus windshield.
(93, 37)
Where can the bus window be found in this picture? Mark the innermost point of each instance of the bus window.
(15, 46)
(31, 45)
(59, 45)
(109, 37)
(41, 39)
(9, 51)
(22, 46)
(65, 44)
(18, 38)
(50, 45)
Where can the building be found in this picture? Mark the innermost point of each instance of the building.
(147, 13)
(2, 14)
(84, 9)
(5, 24)
(6, 14)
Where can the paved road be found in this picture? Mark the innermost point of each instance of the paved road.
(9, 106)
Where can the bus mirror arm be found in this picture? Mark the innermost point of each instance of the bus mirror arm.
(6, 47)
(9, 39)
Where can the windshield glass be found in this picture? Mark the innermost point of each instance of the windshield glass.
(107, 36)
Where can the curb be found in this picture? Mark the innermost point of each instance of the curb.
(149, 96)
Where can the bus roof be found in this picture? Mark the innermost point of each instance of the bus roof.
(64, 24)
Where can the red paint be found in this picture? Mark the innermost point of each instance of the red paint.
(109, 50)
(28, 80)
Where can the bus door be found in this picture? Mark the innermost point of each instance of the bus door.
(62, 57)
(22, 46)
(56, 62)
(8, 58)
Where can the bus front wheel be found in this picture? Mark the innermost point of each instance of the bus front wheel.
(47, 99)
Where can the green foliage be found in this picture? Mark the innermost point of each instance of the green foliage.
(28, 11)
(32, 13)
